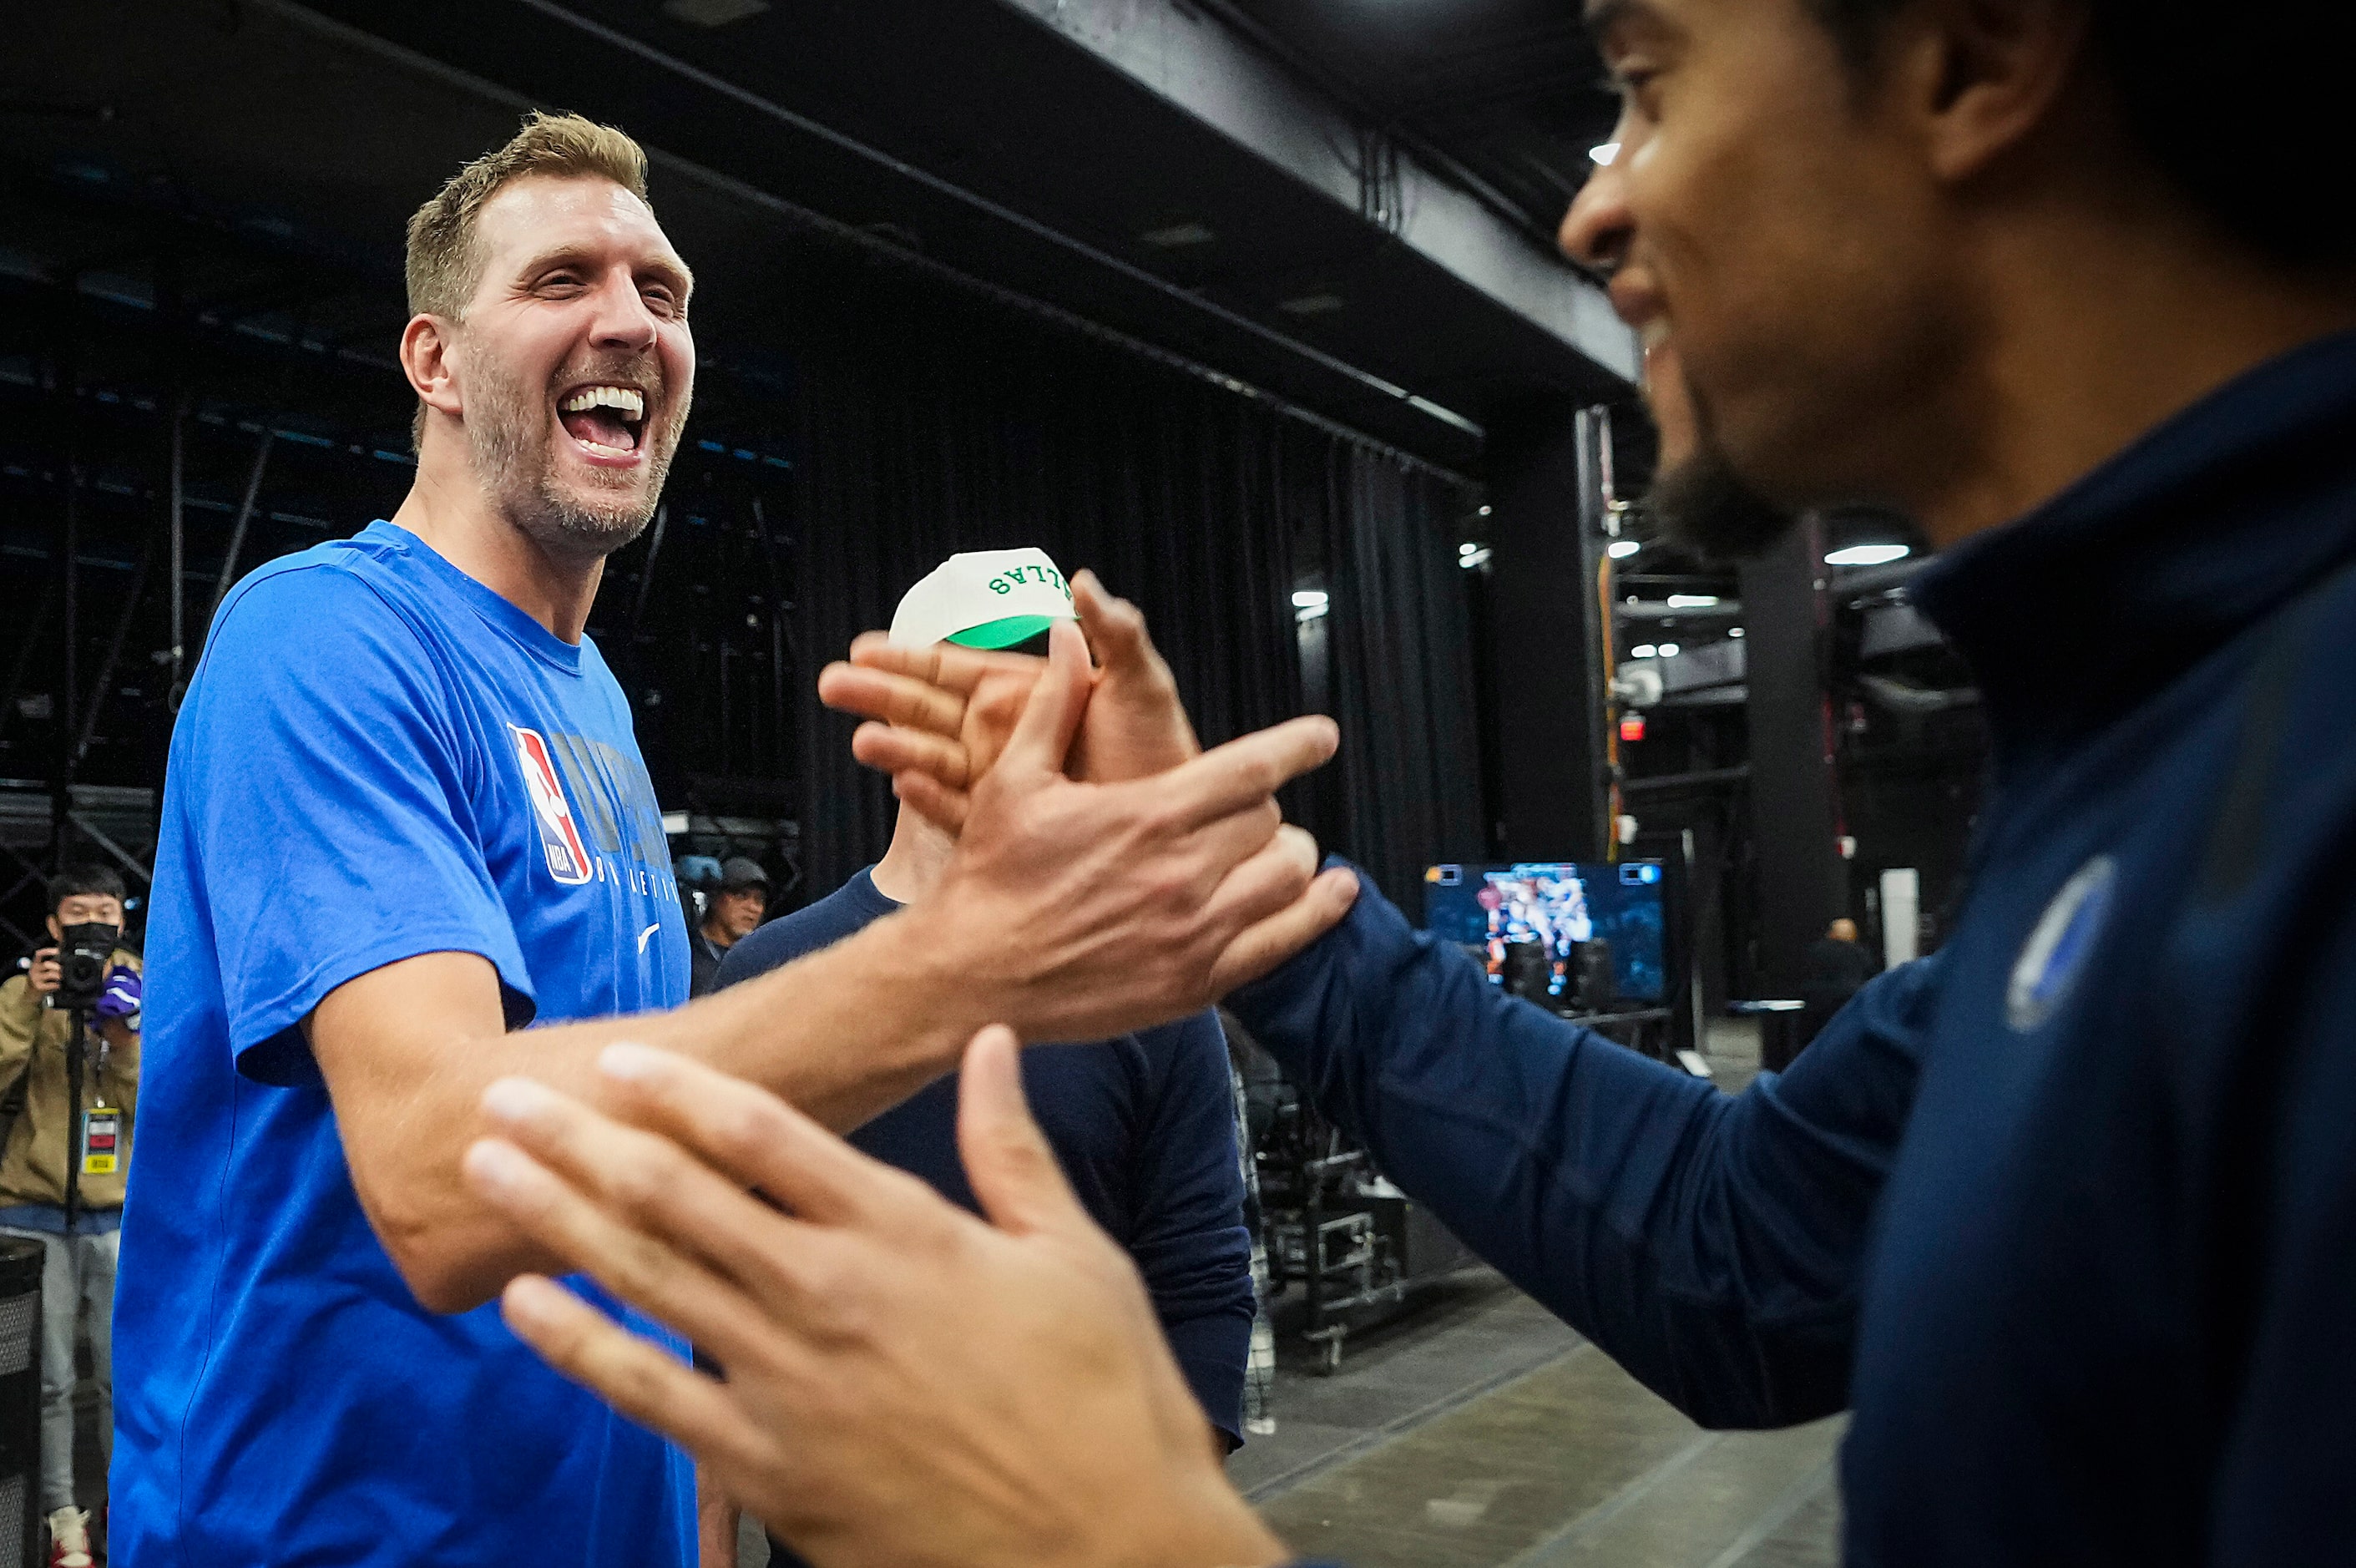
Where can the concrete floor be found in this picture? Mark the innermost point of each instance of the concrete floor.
(1484, 1435)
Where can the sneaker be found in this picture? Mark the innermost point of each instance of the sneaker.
(70, 1539)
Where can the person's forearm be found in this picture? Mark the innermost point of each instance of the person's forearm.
(841, 1034)
(716, 1523)
(1707, 1243)
(1213, 1350)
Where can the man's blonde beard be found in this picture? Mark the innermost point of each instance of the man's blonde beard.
(513, 451)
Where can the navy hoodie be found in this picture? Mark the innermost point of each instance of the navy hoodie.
(2065, 1215)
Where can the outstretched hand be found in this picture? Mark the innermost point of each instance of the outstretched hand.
(906, 1384)
(1078, 911)
(939, 715)
(1186, 885)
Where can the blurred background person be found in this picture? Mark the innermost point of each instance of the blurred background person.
(735, 912)
(1838, 967)
(62, 1186)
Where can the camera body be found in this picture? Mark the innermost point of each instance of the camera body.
(84, 953)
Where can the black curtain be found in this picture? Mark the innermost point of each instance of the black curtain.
(1401, 641)
(932, 420)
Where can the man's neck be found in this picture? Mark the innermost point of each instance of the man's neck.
(2106, 315)
(718, 935)
(912, 868)
(447, 509)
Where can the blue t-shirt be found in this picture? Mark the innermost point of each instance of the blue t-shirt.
(1143, 1126)
(379, 758)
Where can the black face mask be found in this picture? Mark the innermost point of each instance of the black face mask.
(1704, 506)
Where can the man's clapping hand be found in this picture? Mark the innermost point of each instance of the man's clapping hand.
(943, 725)
(939, 715)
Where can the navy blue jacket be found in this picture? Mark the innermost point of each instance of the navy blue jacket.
(2067, 1214)
(1144, 1127)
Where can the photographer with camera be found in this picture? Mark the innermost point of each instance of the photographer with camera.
(69, 1054)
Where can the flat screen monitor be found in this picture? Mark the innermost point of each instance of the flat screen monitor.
(1543, 925)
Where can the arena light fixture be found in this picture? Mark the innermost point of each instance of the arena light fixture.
(1624, 548)
(1644, 650)
(1178, 236)
(1604, 155)
(1312, 599)
(1670, 650)
(713, 12)
(1693, 601)
(1734, 632)
(1868, 555)
(1471, 558)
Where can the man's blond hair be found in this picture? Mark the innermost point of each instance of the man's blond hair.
(445, 264)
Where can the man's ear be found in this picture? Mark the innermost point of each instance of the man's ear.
(1981, 77)
(56, 932)
(425, 347)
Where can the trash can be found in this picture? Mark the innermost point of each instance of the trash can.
(1779, 1029)
(20, 1400)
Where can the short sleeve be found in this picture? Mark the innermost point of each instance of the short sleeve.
(320, 774)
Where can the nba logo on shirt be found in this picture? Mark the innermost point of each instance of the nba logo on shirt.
(568, 856)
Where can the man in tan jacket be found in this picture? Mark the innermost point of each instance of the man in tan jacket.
(78, 1268)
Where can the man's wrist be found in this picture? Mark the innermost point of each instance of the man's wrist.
(1210, 1526)
(958, 983)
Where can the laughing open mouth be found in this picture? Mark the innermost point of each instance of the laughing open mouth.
(606, 420)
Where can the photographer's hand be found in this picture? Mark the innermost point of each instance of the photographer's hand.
(43, 977)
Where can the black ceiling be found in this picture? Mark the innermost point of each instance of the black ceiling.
(1505, 96)
(959, 131)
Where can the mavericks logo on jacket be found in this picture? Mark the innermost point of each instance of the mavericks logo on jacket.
(2058, 948)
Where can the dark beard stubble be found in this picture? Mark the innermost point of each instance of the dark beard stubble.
(1702, 505)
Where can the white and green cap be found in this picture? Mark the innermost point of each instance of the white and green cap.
(984, 599)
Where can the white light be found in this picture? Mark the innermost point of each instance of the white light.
(1624, 548)
(1693, 601)
(1868, 555)
(1477, 558)
(1312, 599)
(1604, 153)
(1669, 651)
(1467, 548)
(1644, 650)
(1485, 511)
(1734, 632)
(1307, 612)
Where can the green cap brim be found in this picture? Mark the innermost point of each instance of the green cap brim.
(1003, 633)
